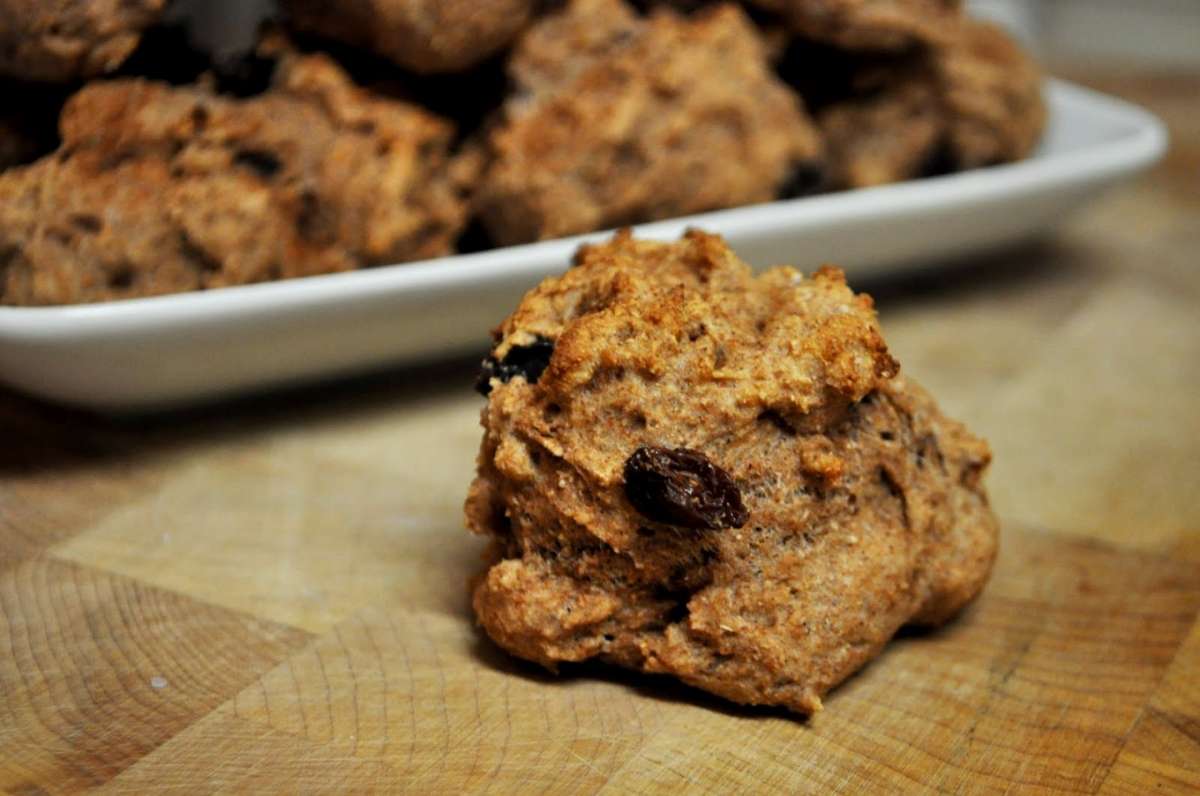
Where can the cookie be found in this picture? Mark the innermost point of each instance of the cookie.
(992, 90)
(619, 119)
(70, 39)
(693, 471)
(869, 24)
(893, 128)
(422, 35)
(158, 189)
(975, 101)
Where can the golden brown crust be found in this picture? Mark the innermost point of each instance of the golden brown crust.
(865, 508)
(423, 35)
(973, 101)
(619, 119)
(159, 189)
(870, 24)
(61, 40)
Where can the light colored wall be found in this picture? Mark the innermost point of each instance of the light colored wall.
(1162, 32)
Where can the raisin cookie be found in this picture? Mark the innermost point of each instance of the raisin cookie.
(892, 127)
(690, 470)
(992, 91)
(422, 35)
(63, 40)
(619, 119)
(975, 101)
(158, 189)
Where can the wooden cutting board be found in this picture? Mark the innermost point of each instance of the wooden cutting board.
(272, 597)
(281, 605)
(1076, 670)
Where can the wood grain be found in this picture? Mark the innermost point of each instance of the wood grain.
(271, 596)
(1164, 747)
(50, 484)
(304, 524)
(97, 670)
(1039, 685)
(222, 754)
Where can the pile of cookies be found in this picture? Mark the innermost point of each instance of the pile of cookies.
(386, 131)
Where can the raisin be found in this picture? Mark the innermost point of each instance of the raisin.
(682, 487)
(522, 360)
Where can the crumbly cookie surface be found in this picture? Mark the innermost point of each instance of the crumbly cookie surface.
(68, 39)
(158, 189)
(423, 35)
(629, 396)
(869, 24)
(973, 101)
(619, 119)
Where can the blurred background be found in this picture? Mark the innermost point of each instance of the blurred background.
(1160, 32)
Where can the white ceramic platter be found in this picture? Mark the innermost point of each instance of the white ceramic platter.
(172, 350)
